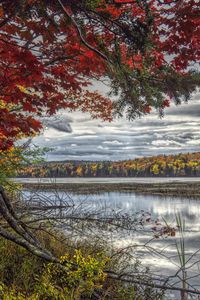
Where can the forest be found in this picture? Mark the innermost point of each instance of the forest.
(187, 164)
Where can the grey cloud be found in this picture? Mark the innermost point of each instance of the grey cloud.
(65, 127)
(177, 132)
(188, 110)
(81, 152)
(196, 97)
(60, 123)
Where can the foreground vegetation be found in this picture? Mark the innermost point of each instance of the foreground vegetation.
(82, 274)
(162, 165)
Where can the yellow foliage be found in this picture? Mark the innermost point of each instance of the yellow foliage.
(155, 169)
(23, 89)
(4, 104)
(93, 167)
(10, 162)
(79, 170)
(76, 276)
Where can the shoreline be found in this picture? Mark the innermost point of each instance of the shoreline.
(189, 187)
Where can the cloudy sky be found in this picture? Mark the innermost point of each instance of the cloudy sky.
(76, 136)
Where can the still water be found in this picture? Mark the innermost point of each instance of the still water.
(160, 255)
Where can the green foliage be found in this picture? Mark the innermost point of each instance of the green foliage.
(89, 268)
(92, 4)
(78, 275)
(15, 160)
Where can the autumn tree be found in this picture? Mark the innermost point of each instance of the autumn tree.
(51, 51)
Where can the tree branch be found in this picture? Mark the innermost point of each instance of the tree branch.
(99, 53)
(128, 278)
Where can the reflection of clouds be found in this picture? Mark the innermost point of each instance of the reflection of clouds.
(115, 142)
(177, 132)
(160, 255)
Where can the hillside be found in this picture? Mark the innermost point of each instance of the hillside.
(162, 165)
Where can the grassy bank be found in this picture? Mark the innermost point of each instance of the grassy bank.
(175, 189)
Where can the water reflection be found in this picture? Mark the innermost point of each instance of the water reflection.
(164, 208)
(158, 254)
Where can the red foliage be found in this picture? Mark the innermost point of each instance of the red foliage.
(166, 103)
(147, 109)
(46, 63)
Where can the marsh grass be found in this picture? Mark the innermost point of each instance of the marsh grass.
(174, 189)
(181, 251)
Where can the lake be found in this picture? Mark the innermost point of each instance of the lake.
(158, 254)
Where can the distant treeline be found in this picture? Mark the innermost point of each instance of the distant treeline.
(162, 165)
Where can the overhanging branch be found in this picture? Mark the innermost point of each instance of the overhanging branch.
(99, 53)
